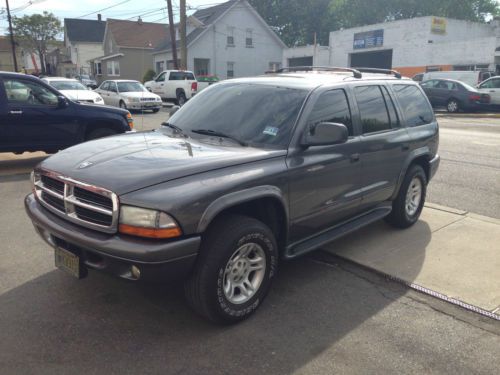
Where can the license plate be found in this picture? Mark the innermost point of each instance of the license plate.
(67, 261)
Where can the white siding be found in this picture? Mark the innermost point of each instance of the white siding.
(320, 54)
(81, 53)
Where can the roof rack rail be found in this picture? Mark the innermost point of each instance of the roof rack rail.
(381, 71)
(356, 73)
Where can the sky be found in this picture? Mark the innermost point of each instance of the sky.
(76, 8)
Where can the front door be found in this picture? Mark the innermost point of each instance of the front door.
(33, 118)
(159, 84)
(384, 143)
(324, 180)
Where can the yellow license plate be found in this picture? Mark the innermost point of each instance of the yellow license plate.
(67, 261)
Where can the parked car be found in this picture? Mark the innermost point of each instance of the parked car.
(128, 94)
(73, 89)
(34, 116)
(418, 77)
(491, 87)
(87, 80)
(248, 173)
(472, 78)
(174, 85)
(454, 95)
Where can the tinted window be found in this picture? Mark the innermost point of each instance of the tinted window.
(389, 103)
(231, 109)
(29, 93)
(190, 76)
(414, 104)
(332, 106)
(176, 76)
(446, 85)
(372, 109)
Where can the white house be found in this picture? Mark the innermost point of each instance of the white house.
(310, 55)
(83, 40)
(228, 40)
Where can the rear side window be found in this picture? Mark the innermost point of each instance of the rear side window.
(176, 76)
(332, 106)
(190, 76)
(372, 109)
(414, 104)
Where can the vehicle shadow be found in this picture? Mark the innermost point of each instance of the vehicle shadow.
(56, 324)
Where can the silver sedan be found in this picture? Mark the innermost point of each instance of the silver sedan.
(130, 95)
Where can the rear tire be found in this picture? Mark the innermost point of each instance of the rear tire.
(100, 133)
(408, 205)
(237, 263)
(181, 99)
(156, 110)
(453, 106)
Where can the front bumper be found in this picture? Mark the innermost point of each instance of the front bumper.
(144, 106)
(115, 253)
(433, 165)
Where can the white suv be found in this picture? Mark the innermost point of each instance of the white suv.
(176, 85)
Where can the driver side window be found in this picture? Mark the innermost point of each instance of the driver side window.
(332, 106)
(161, 78)
(29, 93)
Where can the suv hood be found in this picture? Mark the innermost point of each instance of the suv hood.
(134, 161)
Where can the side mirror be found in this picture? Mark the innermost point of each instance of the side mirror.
(325, 133)
(174, 109)
(62, 101)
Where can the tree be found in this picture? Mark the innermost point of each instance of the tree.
(33, 32)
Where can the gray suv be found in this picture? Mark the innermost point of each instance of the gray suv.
(246, 174)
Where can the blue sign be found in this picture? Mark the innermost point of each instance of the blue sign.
(369, 39)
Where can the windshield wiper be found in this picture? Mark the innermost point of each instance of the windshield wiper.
(219, 134)
(175, 128)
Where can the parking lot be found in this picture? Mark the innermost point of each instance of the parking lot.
(324, 315)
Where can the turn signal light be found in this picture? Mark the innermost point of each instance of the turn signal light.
(130, 121)
(162, 233)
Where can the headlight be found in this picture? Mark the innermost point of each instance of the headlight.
(98, 99)
(133, 100)
(144, 222)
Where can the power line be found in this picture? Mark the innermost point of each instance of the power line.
(100, 10)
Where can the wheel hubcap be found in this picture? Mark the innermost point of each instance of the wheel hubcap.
(413, 196)
(244, 273)
(452, 106)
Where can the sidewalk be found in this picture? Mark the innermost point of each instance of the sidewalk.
(451, 252)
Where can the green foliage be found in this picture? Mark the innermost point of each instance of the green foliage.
(296, 21)
(33, 32)
(149, 75)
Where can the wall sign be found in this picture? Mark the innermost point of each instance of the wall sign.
(369, 39)
(438, 25)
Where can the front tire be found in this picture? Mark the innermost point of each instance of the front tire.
(123, 105)
(237, 263)
(408, 205)
(453, 106)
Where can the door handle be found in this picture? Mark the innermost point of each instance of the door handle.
(354, 157)
(16, 112)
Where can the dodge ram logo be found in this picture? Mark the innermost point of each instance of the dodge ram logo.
(85, 164)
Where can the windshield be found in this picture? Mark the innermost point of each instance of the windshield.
(130, 87)
(250, 113)
(67, 85)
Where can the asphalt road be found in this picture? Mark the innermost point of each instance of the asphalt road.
(322, 316)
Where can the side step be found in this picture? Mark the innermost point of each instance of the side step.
(336, 232)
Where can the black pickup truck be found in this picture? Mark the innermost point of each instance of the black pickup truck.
(36, 117)
(247, 173)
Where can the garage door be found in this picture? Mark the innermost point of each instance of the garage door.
(300, 61)
(375, 59)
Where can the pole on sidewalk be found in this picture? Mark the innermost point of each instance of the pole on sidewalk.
(182, 32)
(12, 42)
(172, 34)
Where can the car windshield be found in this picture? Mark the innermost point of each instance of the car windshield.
(253, 114)
(130, 87)
(67, 85)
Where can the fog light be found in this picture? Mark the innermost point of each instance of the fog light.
(136, 272)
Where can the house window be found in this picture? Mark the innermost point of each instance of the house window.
(201, 67)
(230, 36)
(274, 66)
(113, 68)
(249, 38)
(98, 68)
(230, 69)
(160, 66)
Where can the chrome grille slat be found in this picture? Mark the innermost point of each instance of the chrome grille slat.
(87, 205)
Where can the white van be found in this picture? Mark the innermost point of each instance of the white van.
(470, 77)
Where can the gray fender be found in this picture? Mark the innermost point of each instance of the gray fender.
(422, 151)
(238, 197)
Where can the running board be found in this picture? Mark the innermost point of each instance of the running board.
(336, 232)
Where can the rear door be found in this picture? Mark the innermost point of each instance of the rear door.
(492, 88)
(444, 91)
(33, 118)
(384, 143)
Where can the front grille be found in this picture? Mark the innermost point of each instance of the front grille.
(76, 201)
(148, 99)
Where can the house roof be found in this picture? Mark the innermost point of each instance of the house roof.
(137, 34)
(208, 16)
(91, 31)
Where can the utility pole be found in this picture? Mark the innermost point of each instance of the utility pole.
(172, 34)
(182, 31)
(12, 42)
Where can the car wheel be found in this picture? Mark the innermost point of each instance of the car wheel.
(408, 205)
(237, 263)
(100, 133)
(181, 99)
(156, 110)
(123, 105)
(452, 106)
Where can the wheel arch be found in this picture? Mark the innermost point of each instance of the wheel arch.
(92, 126)
(420, 157)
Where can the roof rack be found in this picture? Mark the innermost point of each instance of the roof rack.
(380, 71)
(355, 72)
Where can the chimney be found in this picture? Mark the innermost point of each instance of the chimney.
(99, 17)
(139, 20)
